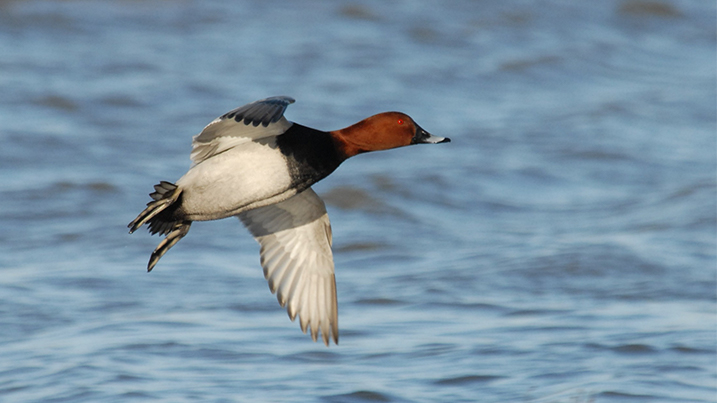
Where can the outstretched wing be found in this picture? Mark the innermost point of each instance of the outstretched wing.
(260, 119)
(295, 239)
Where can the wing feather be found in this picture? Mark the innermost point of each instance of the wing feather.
(295, 239)
(257, 120)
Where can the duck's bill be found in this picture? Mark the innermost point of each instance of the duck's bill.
(423, 137)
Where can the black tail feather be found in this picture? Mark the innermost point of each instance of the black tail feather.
(178, 232)
(160, 211)
(161, 219)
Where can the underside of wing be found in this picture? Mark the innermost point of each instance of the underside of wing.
(295, 239)
(260, 119)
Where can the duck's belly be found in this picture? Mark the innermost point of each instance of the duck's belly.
(236, 180)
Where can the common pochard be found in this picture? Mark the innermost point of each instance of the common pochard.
(254, 164)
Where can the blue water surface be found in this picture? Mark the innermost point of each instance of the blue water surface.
(561, 249)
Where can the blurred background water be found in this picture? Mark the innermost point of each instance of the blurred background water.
(560, 249)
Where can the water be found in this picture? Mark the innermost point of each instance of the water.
(560, 249)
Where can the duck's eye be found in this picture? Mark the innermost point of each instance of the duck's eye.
(400, 121)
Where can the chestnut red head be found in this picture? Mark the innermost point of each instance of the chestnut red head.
(382, 132)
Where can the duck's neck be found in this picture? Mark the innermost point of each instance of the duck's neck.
(311, 154)
(353, 140)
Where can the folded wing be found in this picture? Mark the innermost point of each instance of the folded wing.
(260, 119)
(295, 239)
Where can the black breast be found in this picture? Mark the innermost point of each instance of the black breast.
(310, 154)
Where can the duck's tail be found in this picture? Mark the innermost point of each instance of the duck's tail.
(159, 215)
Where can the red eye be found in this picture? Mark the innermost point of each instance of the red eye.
(400, 121)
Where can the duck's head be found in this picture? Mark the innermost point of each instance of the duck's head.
(382, 132)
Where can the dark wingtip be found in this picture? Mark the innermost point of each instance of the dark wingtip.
(445, 140)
